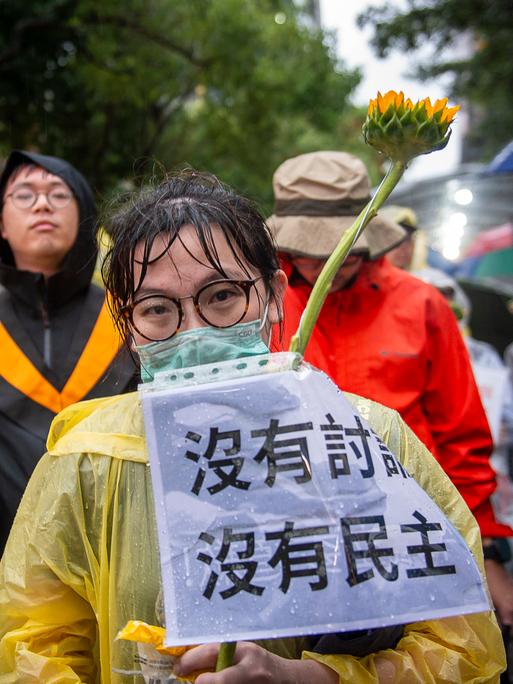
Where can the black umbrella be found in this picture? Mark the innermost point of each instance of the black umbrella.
(491, 319)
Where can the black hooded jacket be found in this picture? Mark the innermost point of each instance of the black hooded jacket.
(50, 320)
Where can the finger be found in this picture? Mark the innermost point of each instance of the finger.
(249, 665)
(209, 678)
(199, 658)
(232, 675)
(235, 674)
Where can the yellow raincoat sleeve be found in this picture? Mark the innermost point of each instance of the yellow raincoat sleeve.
(47, 610)
(460, 649)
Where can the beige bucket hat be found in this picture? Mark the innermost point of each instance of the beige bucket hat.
(317, 197)
(404, 216)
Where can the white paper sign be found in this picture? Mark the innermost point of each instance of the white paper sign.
(492, 389)
(281, 513)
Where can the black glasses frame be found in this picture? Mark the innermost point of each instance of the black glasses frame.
(36, 197)
(128, 310)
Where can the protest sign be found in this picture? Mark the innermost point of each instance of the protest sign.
(281, 513)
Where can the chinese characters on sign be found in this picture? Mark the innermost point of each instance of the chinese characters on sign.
(281, 512)
(306, 559)
(223, 457)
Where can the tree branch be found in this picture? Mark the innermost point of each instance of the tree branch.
(17, 35)
(164, 115)
(126, 23)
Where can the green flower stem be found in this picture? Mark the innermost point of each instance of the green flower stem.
(322, 285)
(225, 656)
(316, 300)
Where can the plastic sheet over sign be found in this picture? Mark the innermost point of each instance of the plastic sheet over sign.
(281, 513)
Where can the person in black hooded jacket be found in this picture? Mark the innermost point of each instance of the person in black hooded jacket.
(58, 344)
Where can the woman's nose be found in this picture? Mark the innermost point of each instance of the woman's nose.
(190, 316)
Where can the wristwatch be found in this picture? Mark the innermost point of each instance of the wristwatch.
(498, 550)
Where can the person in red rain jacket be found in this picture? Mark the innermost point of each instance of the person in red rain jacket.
(384, 334)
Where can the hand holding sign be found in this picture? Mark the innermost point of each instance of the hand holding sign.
(252, 664)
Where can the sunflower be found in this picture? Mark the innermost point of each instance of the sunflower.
(402, 129)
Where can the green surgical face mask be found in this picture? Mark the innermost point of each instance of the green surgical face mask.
(199, 346)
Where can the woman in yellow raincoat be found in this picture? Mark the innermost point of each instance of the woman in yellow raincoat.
(190, 261)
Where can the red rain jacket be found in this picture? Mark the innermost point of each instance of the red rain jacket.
(394, 339)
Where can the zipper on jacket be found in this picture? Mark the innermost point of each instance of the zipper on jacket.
(47, 338)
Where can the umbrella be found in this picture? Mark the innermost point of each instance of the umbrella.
(503, 161)
(499, 237)
(497, 264)
(491, 319)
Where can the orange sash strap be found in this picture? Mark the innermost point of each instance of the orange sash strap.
(99, 352)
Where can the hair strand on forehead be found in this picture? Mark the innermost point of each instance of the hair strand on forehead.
(187, 198)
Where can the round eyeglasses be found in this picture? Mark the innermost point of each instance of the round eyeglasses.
(25, 198)
(221, 304)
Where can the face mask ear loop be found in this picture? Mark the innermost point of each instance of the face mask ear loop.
(264, 317)
(150, 374)
(264, 321)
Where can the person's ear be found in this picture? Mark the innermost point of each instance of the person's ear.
(278, 285)
(130, 343)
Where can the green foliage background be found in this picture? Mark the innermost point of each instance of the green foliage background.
(123, 89)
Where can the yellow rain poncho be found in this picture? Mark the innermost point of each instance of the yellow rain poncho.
(82, 560)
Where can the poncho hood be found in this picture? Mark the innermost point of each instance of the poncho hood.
(109, 426)
(78, 265)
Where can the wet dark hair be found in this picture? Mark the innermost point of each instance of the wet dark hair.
(192, 198)
(27, 167)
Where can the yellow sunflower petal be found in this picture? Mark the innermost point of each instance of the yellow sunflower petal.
(399, 99)
(380, 100)
(428, 106)
(450, 113)
(389, 99)
(440, 104)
